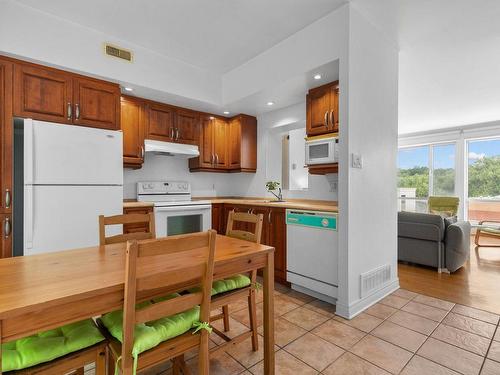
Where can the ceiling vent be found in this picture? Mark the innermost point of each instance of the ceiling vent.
(117, 52)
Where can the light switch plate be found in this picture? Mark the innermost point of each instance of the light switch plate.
(357, 161)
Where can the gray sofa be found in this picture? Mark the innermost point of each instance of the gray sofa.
(430, 240)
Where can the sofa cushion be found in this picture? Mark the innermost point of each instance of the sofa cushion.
(421, 226)
(49, 345)
(150, 334)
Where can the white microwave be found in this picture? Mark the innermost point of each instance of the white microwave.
(322, 151)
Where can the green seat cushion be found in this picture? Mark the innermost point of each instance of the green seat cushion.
(49, 345)
(226, 285)
(491, 230)
(150, 334)
(231, 283)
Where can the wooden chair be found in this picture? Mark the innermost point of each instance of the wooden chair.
(160, 256)
(488, 228)
(124, 220)
(223, 300)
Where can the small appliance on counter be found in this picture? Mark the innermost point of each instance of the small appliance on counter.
(312, 253)
(175, 211)
(322, 150)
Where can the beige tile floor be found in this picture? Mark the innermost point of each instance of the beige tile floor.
(405, 333)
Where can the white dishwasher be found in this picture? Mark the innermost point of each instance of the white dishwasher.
(312, 253)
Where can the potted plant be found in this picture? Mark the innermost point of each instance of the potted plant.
(272, 186)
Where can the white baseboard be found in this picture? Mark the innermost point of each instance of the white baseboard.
(350, 311)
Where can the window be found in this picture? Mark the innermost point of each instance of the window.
(424, 171)
(443, 170)
(483, 179)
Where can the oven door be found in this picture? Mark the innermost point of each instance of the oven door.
(173, 220)
(321, 151)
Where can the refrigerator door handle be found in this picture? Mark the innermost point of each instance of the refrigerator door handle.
(29, 156)
(28, 217)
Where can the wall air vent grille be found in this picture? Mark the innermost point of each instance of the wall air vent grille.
(374, 280)
(117, 52)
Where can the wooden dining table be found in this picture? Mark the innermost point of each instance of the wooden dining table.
(41, 292)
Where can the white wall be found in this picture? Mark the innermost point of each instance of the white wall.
(368, 226)
(238, 184)
(38, 36)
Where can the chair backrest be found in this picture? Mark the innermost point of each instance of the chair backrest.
(445, 206)
(123, 220)
(155, 264)
(244, 217)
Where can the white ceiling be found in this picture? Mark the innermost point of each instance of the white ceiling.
(449, 67)
(217, 35)
(449, 54)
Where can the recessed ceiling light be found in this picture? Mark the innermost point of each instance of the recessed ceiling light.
(129, 89)
(270, 103)
(317, 76)
(226, 112)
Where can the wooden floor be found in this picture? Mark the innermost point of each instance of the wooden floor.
(477, 284)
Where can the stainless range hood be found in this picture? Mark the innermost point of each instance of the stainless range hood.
(171, 149)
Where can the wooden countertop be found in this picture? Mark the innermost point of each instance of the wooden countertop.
(134, 204)
(300, 204)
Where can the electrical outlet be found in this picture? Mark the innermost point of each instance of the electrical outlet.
(357, 161)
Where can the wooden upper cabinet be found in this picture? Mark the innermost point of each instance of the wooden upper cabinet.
(6, 136)
(160, 125)
(234, 144)
(96, 103)
(43, 93)
(220, 143)
(187, 126)
(206, 145)
(132, 125)
(48, 94)
(322, 109)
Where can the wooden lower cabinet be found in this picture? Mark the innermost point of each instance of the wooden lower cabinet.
(6, 236)
(217, 213)
(273, 230)
(134, 228)
(277, 239)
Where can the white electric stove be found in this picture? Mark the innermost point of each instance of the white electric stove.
(175, 211)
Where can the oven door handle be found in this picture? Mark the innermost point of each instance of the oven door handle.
(183, 208)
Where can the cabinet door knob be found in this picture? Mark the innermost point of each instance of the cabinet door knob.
(332, 118)
(177, 134)
(217, 159)
(269, 217)
(172, 133)
(69, 110)
(325, 119)
(7, 198)
(142, 152)
(77, 111)
(7, 227)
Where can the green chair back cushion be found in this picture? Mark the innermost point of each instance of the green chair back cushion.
(49, 345)
(444, 206)
(150, 334)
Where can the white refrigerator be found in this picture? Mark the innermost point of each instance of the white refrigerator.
(71, 175)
